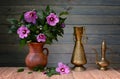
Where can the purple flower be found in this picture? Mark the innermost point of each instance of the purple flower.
(30, 16)
(63, 25)
(41, 38)
(23, 32)
(62, 68)
(52, 19)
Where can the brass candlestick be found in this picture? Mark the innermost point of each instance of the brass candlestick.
(78, 56)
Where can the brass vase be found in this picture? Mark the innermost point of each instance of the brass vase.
(78, 56)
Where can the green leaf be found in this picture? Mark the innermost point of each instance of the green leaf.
(41, 21)
(52, 11)
(45, 27)
(51, 71)
(10, 31)
(29, 72)
(44, 13)
(39, 13)
(20, 70)
(21, 17)
(60, 34)
(28, 25)
(13, 27)
(48, 41)
(22, 42)
(47, 8)
(35, 69)
(63, 13)
(49, 34)
(62, 31)
(38, 68)
(63, 19)
(12, 21)
(56, 39)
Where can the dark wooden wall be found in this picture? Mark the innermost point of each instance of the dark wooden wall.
(100, 17)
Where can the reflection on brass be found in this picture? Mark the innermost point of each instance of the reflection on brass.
(104, 62)
(78, 56)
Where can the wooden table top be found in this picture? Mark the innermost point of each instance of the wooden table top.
(90, 73)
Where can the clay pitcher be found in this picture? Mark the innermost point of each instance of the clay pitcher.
(36, 56)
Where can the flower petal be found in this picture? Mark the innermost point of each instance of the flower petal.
(30, 17)
(52, 19)
(41, 38)
(62, 68)
(23, 31)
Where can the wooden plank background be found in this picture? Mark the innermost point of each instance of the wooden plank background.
(100, 17)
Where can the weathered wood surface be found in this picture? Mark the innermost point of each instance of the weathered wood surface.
(90, 73)
(78, 19)
(74, 10)
(60, 2)
(64, 48)
(100, 17)
(18, 55)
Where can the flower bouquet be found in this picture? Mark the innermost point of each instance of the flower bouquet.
(38, 26)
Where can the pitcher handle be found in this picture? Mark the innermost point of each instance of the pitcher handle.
(46, 50)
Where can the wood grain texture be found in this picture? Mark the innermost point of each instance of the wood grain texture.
(55, 56)
(100, 17)
(74, 10)
(97, 74)
(113, 74)
(82, 75)
(60, 2)
(77, 19)
(91, 73)
(57, 48)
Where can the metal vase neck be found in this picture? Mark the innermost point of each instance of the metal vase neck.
(78, 32)
(103, 49)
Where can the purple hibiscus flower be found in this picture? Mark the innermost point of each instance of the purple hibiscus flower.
(23, 32)
(52, 19)
(41, 38)
(62, 68)
(30, 16)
